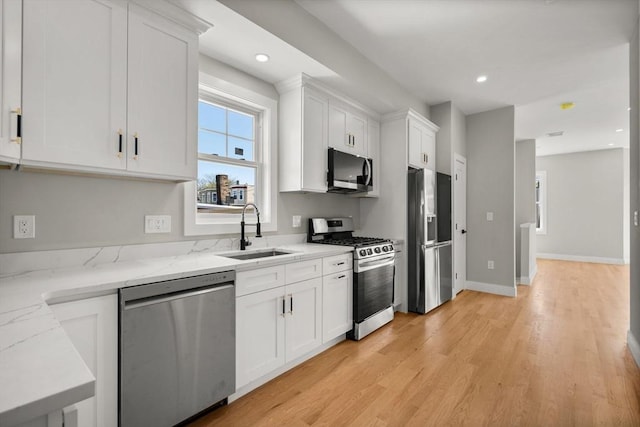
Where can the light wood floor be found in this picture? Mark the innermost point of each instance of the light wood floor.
(554, 356)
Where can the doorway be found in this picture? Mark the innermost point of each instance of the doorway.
(460, 223)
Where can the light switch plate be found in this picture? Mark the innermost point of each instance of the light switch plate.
(489, 216)
(296, 221)
(157, 224)
(490, 265)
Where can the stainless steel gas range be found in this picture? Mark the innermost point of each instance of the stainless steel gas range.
(373, 272)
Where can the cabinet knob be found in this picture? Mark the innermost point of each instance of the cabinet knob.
(119, 143)
(135, 146)
(18, 137)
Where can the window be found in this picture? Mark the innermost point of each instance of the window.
(541, 202)
(236, 160)
(227, 161)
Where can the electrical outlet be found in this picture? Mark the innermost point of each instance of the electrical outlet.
(157, 224)
(490, 265)
(24, 226)
(296, 221)
(489, 216)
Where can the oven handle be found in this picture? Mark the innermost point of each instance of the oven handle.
(370, 265)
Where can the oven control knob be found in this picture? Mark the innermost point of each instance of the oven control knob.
(385, 249)
(376, 250)
(390, 247)
(369, 252)
(363, 252)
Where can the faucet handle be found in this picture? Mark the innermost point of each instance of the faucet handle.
(247, 242)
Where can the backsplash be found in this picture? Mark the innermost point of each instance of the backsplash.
(17, 263)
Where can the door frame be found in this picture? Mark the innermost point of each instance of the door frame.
(456, 237)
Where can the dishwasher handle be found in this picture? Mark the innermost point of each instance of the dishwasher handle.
(130, 305)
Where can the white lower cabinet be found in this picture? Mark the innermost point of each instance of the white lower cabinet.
(303, 318)
(279, 324)
(276, 326)
(337, 305)
(92, 326)
(259, 334)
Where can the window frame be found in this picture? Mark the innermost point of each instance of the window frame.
(213, 89)
(541, 176)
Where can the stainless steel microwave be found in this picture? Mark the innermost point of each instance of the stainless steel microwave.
(349, 173)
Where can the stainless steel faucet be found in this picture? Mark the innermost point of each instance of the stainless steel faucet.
(245, 242)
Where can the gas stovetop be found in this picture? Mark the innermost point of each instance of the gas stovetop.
(338, 231)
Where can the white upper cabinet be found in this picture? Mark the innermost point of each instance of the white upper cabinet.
(74, 83)
(422, 143)
(303, 139)
(313, 118)
(10, 75)
(108, 88)
(347, 129)
(163, 96)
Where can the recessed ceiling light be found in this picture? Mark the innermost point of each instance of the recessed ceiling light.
(262, 57)
(481, 79)
(619, 130)
(567, 105)
(610, 144)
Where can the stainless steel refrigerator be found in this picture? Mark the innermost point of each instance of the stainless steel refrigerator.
(429, 258)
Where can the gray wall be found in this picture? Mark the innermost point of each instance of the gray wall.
(458, 131)
(585, 203)
(525, 190)
(490, 188)
(78, 211)
(634, 90)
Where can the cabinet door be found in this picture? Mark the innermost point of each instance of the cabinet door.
(337, 304)
(260, 334)
(74, 83)
(357, 129)
(429, 149)
(415, 145)
(10, 78)
(92, 326)
(304, 317)
(163, 96)
(314, 141)
(338, 137)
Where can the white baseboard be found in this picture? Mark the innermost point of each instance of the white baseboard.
(528, 280)
(492, 288)
(634, 347)
(580, 258)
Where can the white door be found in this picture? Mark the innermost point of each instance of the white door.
(260, 322)
(303, 302)
(163, 96)
(74, 83)
(92, 326)
(460, 228)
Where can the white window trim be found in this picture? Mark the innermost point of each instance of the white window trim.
(268, 176)
(543, 201)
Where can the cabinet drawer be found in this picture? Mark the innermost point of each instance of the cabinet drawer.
(304, 270)
(248, 282)
(337, 263)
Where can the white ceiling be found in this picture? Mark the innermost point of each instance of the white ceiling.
(537, 54)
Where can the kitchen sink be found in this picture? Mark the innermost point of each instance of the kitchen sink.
(257, 254)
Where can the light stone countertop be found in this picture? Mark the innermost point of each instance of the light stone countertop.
(40, 369)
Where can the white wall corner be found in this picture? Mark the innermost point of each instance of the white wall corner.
(634, 347)
(492, 288)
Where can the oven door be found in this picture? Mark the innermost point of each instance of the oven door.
(372, 286)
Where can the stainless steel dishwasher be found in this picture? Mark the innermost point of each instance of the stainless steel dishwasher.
(177, 348)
